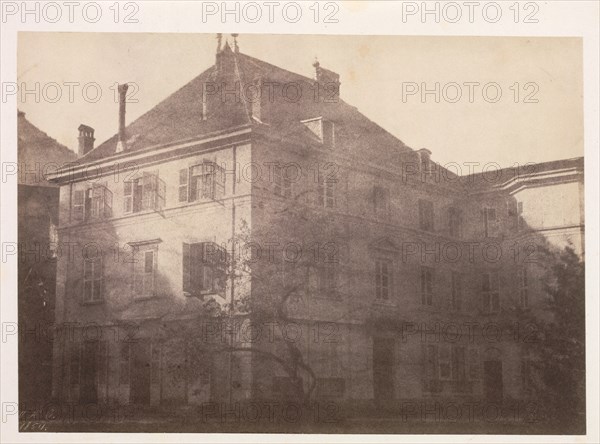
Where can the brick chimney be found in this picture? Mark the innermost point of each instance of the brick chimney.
(329, 81)
(85, 139)
(122, 98)
(226, 60)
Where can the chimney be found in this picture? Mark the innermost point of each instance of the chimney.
(122, 97)
(424, 160)
(86, 139)
(329, 81)
(226, 60)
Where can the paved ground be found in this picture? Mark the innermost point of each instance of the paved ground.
(355, 425)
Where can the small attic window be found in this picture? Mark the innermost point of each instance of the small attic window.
(328, 133)
(323, 129)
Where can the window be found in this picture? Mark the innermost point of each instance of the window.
(474, 373)
(328, 134)
(183, 185)
(144, 270)
(432, 362)
(144, 193)
(282, 185)
(523, 287)
(425, 215)
(444, 360)
(93, 279)
(456, 301)
(458, 364)
(284, 387)
(527, 381)
(520, 219)
(204, 268)
(383, 279)
(75, 360)
(91, 204)
(426, 286)
(489, 222)
(327, 274)
(381, 202)
(327, 191)
(323, 129)
(455, 222)
(330, 387)
(124, 363)
(432, 374)
(490, 292)
(206, 182)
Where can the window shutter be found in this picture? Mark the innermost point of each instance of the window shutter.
(193, 185)
(219, 182)
(108, 201)
(78, 205)
(127, 197)
(183, 185)
(161, 193)
(197, 267)
(97, 201)
(187, 276)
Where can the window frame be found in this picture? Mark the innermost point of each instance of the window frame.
(91, 204)
(490, 292)
(145, 192)
(381, 202)
(95, 279)
(523, 283)
(490, 224)
(140, 270)
(206, 182)
(427, 278)
(456, 290)
(426, 215)
(282, 185)
(384, 288)
(455, 222)
(200, 266)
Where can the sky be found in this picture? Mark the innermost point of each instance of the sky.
(538, 116)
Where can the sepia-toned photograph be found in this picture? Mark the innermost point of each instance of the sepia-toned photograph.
(327, 234)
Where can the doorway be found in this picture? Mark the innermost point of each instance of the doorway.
(140, 373)
(383, 369)
(492, 377)
(88, 392)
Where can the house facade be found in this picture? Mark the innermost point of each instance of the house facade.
(38, 200)
(334, 252)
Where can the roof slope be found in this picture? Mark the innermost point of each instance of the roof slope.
(180, 116)
(35, 150)
(493, 178)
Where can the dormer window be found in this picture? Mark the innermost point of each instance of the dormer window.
(322, 128)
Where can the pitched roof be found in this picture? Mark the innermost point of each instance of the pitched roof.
(35, 150)
(180, 116)
(494, 178)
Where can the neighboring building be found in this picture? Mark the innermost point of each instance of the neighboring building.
(407, 252)
(38, 199)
